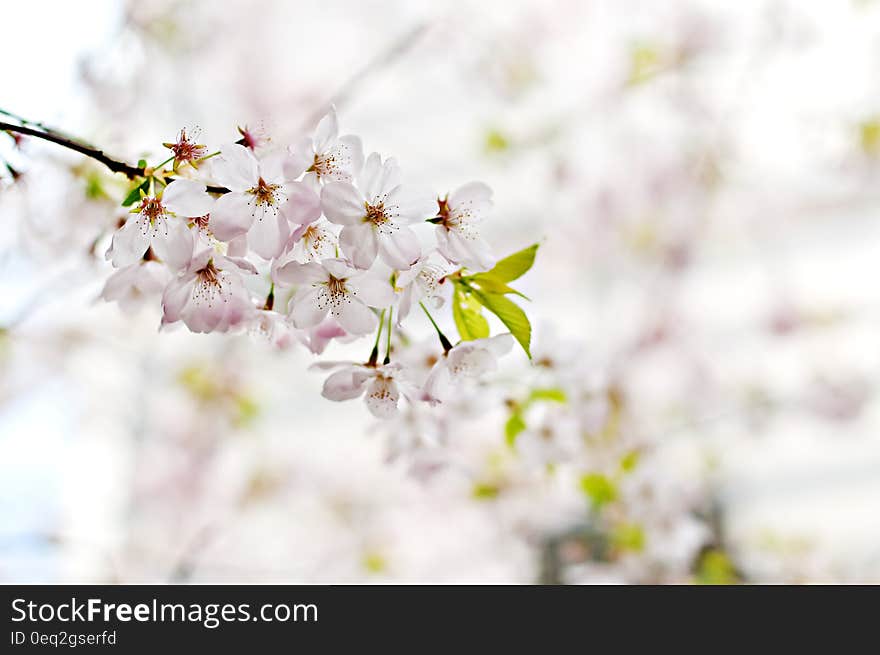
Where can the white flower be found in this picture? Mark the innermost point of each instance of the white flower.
(273, 327)
(424, 280)
(328, 157)
(376, 215)
(263, 201)
(210, 295)
(554, 439)
(317, 337)
(334, 286)
(458, 237)
(469, 359)
(381, 386)
(130, 285)
(159, 222)
(308, 243)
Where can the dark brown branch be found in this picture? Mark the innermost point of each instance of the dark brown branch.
(116, 166)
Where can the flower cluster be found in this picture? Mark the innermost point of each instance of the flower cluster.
(563, 460)
(316, 242)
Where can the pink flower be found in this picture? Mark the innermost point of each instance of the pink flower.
(376, 215)
(262, 202)
(317, 337)
(159, 222)
(381, 386)
(458, 237)
(210, 295)
(186, 151)
(328, 157)
(469, 359)
(130, 285)
(334, 286)
(424, 280)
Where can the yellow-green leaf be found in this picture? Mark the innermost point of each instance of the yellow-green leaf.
(715, 568)
(511, 315)
(469, 320)
(552, 395)
(512, 267)
(629, 536)
(513, 427)
(492, 285)
(599, 489)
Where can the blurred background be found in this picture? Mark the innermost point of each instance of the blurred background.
(702, 403)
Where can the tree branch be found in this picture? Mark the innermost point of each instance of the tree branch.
(115, 166)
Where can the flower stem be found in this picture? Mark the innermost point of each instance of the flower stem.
(374, 354)
(443, 340)
(270, 299)
(388, 343)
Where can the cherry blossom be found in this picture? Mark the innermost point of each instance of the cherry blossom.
(186, 151)
(131, 285)
(381, 386)
(469, 359)
(334, 286)
(459, 216)
(312, 244)
(159, 221)
(425, 279)
(263, 201)
(210, 295)
(376, 215)
(327, 157)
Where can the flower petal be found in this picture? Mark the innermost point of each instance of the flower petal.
(400, 249)
(372, 290)
(475, 198)
(296, 273)
(360, 244)
(175, 298)
(303, 205)
(232, 216)
(345, 384)
(306, 308)
(268, 234)
(355, 317)
(381, 397)
(236, 168)
(409, 204)
(175, 245)
(187, 198)
(327, 131)
(130, 242)
(342, 204)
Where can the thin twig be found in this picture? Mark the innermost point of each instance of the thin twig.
(115, 166)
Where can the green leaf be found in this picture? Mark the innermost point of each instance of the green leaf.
(511, 315)
(513, 427)
(512, 267)
(599, 489)
(496, 141)
(715, 568)
(629, 461)
(135, 194)
(485, 490)
(629, 536)
(491, 285)
(469, 320)
(552, 395)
